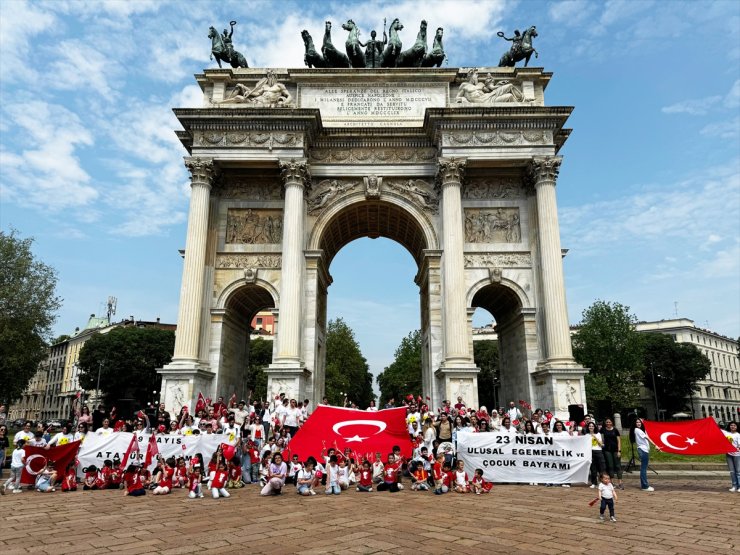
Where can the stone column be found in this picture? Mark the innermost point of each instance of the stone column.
(193, 273)
(543, 173)
(453, 270)
(296, 176)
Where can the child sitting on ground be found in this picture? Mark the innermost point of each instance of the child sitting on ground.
(343, 474)
(46, 478)
(478, 485)
(332, 477)
(92, 478)
(217, 481)
(306, 478)
(69, 483)
(378, 469)
(419, 478)
(165, 475)
(133, 482)
(461, 478)
(293, 470)
(390, 475)
(366, 477)
(235, 474)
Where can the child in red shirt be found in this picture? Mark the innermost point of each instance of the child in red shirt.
(478, 484)
(366, 477)
(134, 484)
(437, 474)
(105, 474)
(448, 478)
(69, 483)
(235, 474)
(92, 478)
(194, 482)
(181, 474)
(419, 477)
(166, 473)
(116, 476)
(217, 481)
(390, 475)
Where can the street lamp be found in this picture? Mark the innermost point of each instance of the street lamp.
(97, 387)
(655, 391)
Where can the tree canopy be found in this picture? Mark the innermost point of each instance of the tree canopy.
(486, 358)
(403, 375)
(128, 358)
(347, 372)
(676, 368)
(609, 345)
(260, 357)
(28, 305)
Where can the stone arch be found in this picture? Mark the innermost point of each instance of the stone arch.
(509, 305)
(406, 224)
(231, 319)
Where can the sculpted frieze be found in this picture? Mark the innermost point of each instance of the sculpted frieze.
(252, 189)
(417, 190)
(499, 225)
(500, 260)
(327, 190)
(251, 227)
(493, 188)
(240, 261)
(402, 155)
(249, 139)
(497, 138)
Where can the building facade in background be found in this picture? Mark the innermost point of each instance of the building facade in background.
(718, 394)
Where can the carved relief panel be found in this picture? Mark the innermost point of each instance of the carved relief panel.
(252, 227)
(260, 188)
(498, 225)
(492, 188)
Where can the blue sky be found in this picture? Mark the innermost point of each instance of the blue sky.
(649, 191)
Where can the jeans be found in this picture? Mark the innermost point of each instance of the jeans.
(607, 503)
(613, 464)
(733, 463)
(644, 460)
(15, 477)
(255, 472)
(2, 461)
(597, 466)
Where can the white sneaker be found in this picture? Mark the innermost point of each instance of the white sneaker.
(566, 485)
(651, 488)
(592, 486)
(613, 518)
(312, 492)
(17, 491)
(733, 490)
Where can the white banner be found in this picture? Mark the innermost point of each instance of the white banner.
(526, 458)
(97, 449)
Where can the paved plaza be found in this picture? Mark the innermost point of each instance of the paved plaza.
(680, 517)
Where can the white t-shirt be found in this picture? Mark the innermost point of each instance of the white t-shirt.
(18, 456)
(292, 417)
(281, 412)
(306, 475)
(460, 478)
(641, 438)
(735, 440)
(606, 490)
(232, 434)
(596, 441)
(62, 439)
(511, 430)
(26, 436)
(105, 432)
(378, 469)
(343, 474)
(332, 473)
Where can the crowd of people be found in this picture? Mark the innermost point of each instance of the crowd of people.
(256, 450)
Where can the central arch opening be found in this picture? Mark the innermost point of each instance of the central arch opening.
(373, 286)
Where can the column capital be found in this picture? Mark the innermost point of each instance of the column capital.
(451, 171)
(295, 172)
(201, 170)
(543, 169)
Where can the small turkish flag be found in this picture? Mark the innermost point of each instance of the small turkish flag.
(691, 437)
(357, 429)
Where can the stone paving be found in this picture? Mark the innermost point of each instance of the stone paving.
(681, 516)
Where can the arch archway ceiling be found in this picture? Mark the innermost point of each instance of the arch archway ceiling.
(373, 219)
(500, 301)
(249, 300)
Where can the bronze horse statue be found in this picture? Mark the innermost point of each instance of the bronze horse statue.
(414, 55)
(311, 58)
(521, 49)
(437, 54)
(332, 56)
(393, 50)
(225, 53)
(354, 50)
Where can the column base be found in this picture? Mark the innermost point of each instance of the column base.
(181, 382)
(291, 380)
(461, 381)
(557, 387)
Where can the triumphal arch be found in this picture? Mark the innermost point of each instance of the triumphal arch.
(459, 166)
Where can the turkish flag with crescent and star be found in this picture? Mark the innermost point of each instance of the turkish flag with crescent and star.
(365, 433)
(38, 457)
(690, 437)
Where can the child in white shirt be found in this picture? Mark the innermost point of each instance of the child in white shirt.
(17, 462)
(607, 496)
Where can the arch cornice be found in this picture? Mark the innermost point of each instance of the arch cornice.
(235, 285)
(327, 216)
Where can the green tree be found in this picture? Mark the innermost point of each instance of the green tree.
(676, 368)
(486, 358)
(28, 304)
(260, 357)
(347, 370)
(403, 376)
(608, 344)
(127, 359)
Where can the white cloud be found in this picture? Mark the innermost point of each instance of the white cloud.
(572, 12)
(726, 263)
(47, 173)
(78, 67)
(727, 130)
(693, 107)
(20, 24)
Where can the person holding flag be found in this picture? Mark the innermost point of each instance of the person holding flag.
(643, 450)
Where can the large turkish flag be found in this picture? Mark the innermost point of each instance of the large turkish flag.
(364, 432)
(38, 457)
(690, 437)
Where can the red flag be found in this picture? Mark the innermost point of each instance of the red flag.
(232, 399)
(152, 450)
(690, 437)
(200, 403)
(38, 457)
(133, 450)
(356, 429)
(228, 450)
